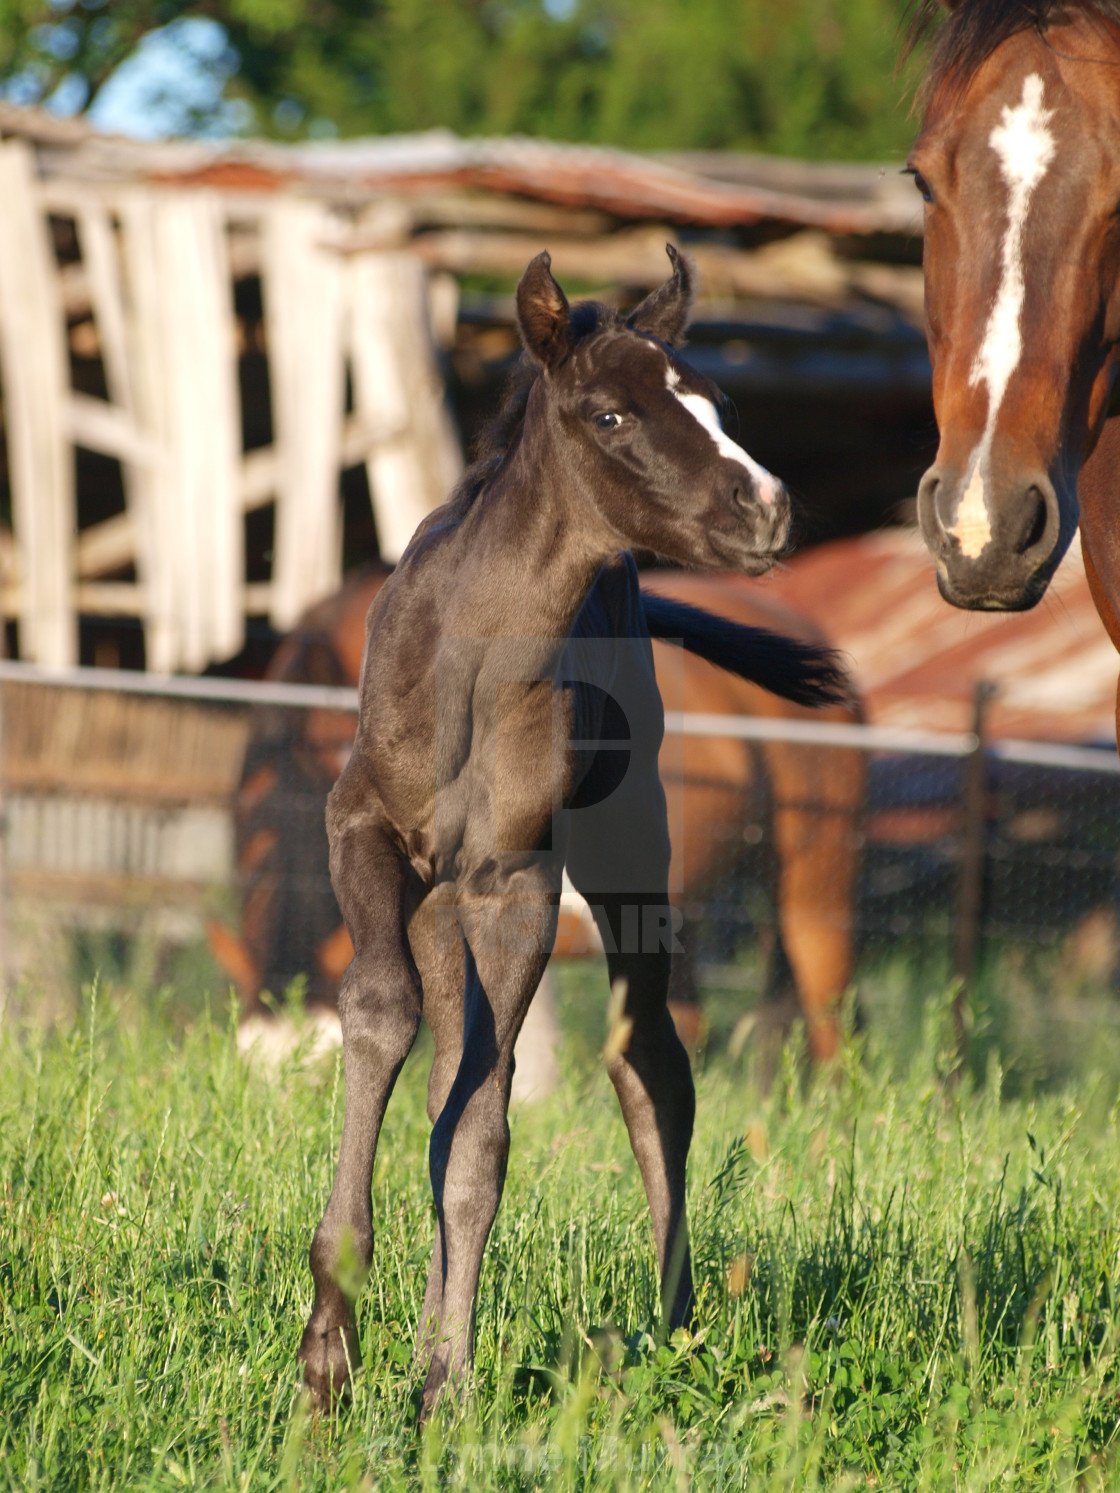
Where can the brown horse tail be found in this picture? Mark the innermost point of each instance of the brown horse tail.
(805, 673)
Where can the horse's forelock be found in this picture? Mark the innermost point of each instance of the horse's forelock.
(966, 37)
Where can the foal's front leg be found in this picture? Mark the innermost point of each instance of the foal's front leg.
(509, 934)
(437, 947)
(379, 1006)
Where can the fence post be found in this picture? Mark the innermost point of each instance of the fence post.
(970, 873)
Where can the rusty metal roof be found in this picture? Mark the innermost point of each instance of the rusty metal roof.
(916, 659)
(710, 190)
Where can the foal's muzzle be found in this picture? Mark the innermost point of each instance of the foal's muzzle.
(754, 527)
(1008, 567)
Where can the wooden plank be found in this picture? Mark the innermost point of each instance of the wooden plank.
(74, 890)
(189, 514)
(106, 546)
(483, 210)
(102, 266)
(112, 543)
(95, 598)
(200, 369)
(33, 359)
(100, 426)
(397, 382)
(8, 567)
(154, 557)
(110, 427)
(115, 745)
(259, 475)
(302, 284)
(362, 433)
(715, 188)
(802, 267)
(109, 598)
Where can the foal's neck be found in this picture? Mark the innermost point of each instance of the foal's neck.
(532, 545)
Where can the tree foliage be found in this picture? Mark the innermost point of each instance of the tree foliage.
(804, 77)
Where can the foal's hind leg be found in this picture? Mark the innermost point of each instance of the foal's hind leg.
(652, 1078)
(618, 857)
(379, 1006)
(509, 932)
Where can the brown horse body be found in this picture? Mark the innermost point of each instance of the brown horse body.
(1018, 161)
(715, 789)
(813, 794)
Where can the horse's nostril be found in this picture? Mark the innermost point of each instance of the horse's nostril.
(930, 498)
(1035, 528)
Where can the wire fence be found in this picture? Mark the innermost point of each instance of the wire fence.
(129, 808)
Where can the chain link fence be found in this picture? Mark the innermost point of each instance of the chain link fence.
(128, 818)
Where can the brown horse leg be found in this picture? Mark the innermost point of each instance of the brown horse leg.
(817, 864)
(379, 1006)
(509, 936)
(653, 1079)
(684, 1000)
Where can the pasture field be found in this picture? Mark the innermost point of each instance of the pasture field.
(905, 1281)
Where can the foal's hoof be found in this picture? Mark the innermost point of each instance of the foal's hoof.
(329, 1356)
(434, 1386)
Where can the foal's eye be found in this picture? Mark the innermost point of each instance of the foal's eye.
(606, 419)
(920, 182)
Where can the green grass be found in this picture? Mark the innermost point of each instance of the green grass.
(904, 1282)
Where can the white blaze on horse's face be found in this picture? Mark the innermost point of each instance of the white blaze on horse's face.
(1025, 148)
(704, 412)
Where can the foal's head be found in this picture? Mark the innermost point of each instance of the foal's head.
(640, 430)
(1018, 161)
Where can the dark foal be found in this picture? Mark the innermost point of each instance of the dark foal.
(511, 636)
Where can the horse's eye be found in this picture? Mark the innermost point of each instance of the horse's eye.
(606, 419)
(920, 182)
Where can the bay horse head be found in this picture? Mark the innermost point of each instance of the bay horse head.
(642, 429)
(1018, 162)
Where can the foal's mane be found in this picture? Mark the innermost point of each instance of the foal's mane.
(977, 27)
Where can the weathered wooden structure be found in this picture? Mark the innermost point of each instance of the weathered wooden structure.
(192, 334)
(147, 286)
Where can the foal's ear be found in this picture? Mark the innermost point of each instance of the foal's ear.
(665, 311)
(542, 313)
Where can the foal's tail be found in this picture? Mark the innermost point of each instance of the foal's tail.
(806, 673)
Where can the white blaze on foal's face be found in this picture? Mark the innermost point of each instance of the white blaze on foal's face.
(704, 412)
(1025, 147)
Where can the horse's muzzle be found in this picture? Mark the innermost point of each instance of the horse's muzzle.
(997, 555)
